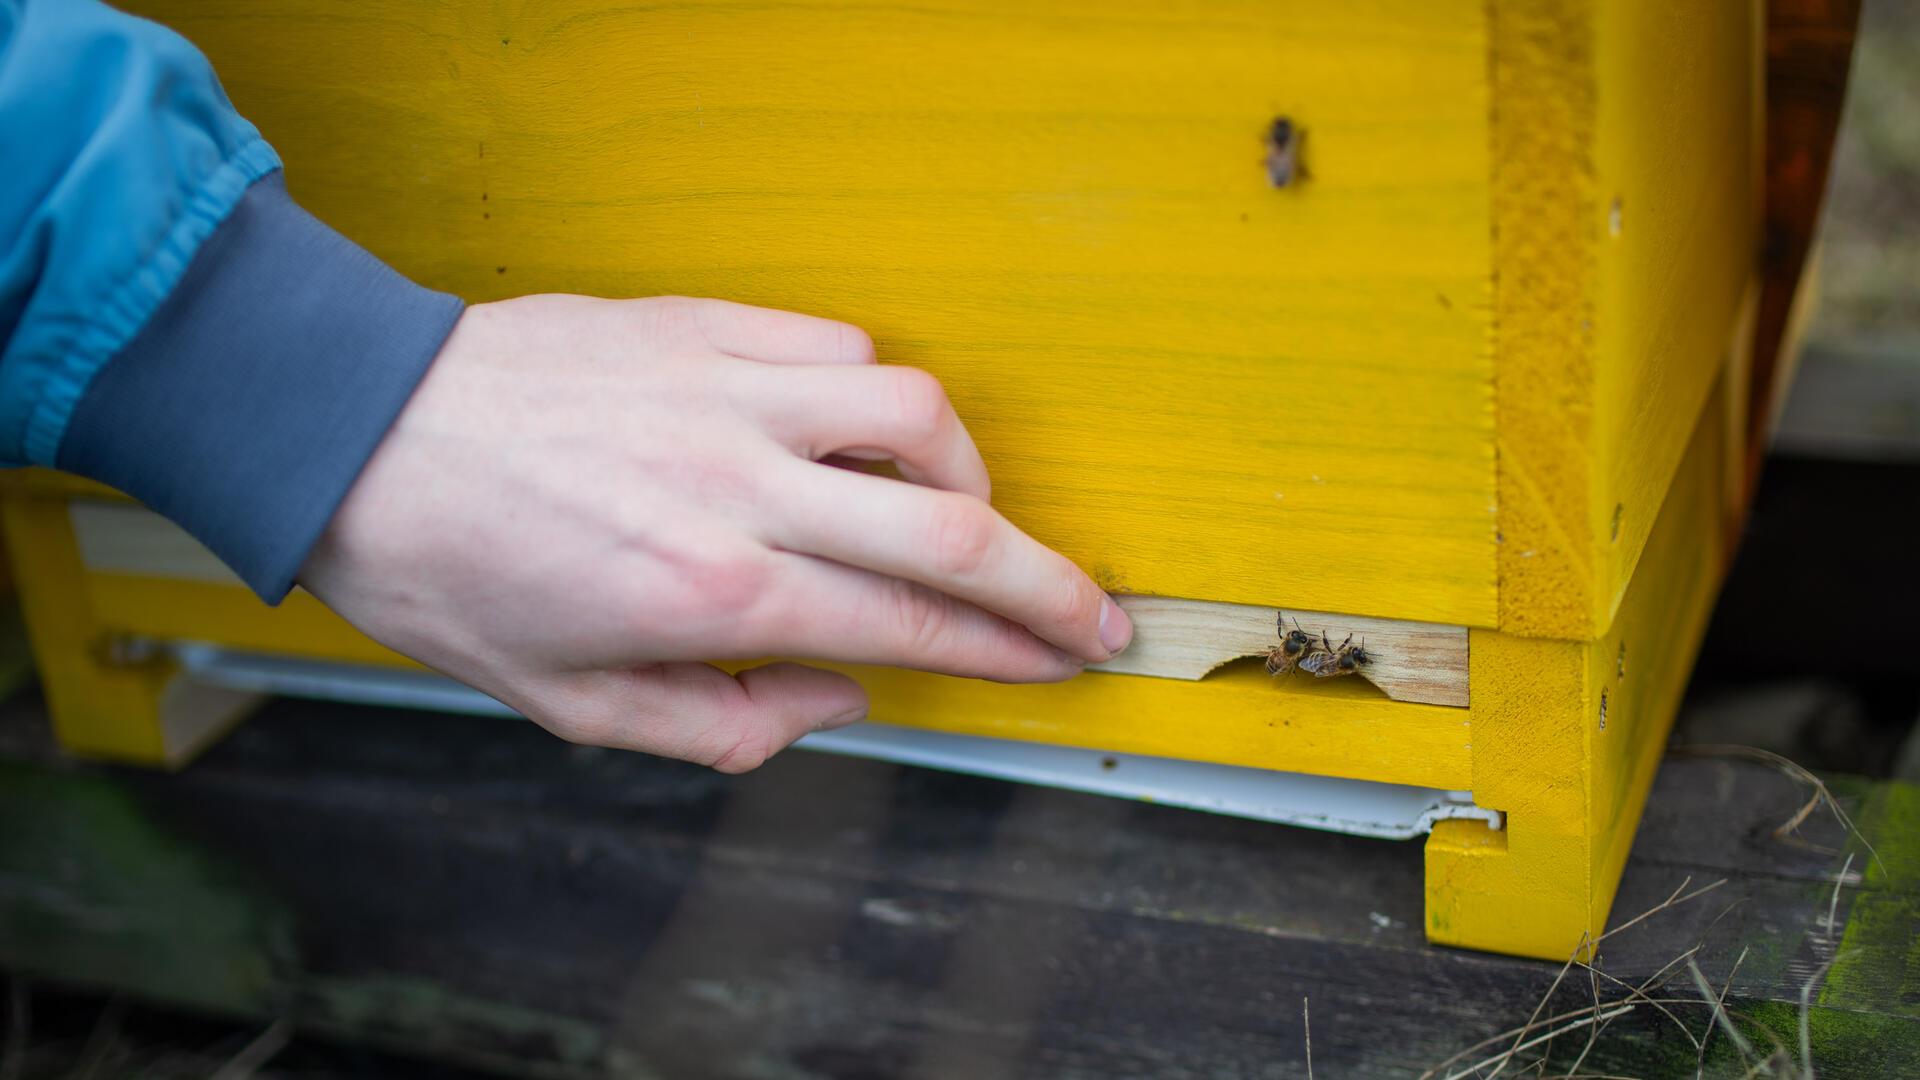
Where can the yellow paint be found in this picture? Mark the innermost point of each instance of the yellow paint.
(1545, 231)
(1529, 745)
(1190, 382)
(230, 616)
(1194, 384)
(47, 482)
(1642, 665)
(1572, 790)
(1530, 893)
(1238, 716)
(1679, 149)
(97, 709)
(1610, 327)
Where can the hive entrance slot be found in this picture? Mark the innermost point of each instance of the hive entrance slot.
(1177, 638)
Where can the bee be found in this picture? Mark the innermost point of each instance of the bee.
(1321, 658)
(1283, 152)
(1331, 662)
(1294, 644)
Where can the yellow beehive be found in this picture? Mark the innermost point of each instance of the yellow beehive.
(1478, 365)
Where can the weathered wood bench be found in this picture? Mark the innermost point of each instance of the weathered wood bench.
(477, 891)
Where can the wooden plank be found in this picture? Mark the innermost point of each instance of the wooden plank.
(1188, 639)
(230, 615)
(1566, 735)
(571, 912)
(128, 539)
(1236, 716)
(1636, 674)
(125, 707)
(1679, 126)
(1173, 638)
(1190, 382)
(1625, 157)
(1545, 219)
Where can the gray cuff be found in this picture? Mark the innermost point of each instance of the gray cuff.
(247, 405)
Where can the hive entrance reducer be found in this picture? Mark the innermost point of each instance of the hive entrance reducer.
(1176, 638)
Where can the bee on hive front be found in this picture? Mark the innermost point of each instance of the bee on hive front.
(1283, 152)
(1294, 644)
(1321, 659)
(1348, 659)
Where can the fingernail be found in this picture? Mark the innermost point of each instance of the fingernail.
(852, 716)
(1116, 630)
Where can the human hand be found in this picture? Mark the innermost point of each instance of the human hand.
(584, 499)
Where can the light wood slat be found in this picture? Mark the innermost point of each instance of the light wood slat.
(122, 538)
(1186, 639)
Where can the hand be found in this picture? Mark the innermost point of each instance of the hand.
(586, 498)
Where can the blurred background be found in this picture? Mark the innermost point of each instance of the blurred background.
(1814, 651)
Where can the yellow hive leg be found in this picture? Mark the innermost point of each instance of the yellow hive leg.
(1566, 736)
(103, 704)
(1526, 889)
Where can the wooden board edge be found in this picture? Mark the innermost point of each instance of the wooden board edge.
(1177, 638)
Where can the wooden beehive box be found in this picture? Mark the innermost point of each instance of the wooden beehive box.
(1471, 381)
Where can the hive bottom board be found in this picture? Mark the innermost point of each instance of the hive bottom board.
(1560, 738)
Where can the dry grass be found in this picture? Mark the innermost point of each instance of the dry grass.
(1528, 1047)
(1306, 1026)
(1591, 1019)
(1788, 831)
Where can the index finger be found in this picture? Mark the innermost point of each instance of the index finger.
(951, 542)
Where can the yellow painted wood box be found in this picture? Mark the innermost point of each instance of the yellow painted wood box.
(1473, 374)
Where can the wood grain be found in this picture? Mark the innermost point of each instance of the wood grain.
(1639, 671)
(1680, 129)
(1175, 638)
(1190, 382)
(1626, 201)
(1237, 716)
(565, 913)
(126, 538)
(1567, 734)
(144, 576)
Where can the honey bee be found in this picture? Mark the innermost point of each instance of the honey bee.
(1320, 659)
(1330, 662)
(1283, 152)
(1294, 644)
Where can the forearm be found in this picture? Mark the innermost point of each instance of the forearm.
(173, 324)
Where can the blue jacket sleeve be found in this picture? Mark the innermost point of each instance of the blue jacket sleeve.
(171, 323)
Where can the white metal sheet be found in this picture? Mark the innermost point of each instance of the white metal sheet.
(1364, 808)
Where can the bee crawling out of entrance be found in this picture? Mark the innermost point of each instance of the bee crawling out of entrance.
(1294, 644)
(1322, 659)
